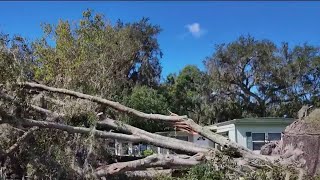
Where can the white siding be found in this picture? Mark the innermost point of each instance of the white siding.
(198, 139)
(230, 128)
(242, 129)
(194, 138)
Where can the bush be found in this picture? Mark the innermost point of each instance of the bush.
(147, 152)
(204, 171)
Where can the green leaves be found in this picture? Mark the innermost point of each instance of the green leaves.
(147, 100)
(261, 76)
(97, 57)
(92, 56)
(188, 94)
(16, 59)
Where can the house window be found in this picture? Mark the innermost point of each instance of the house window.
(225, 134)
(274, 136)
(184, 138)
(125, 148)
(258, 140)
(143, 147)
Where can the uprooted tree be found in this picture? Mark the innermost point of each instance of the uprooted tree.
(21, 109)
(59, 108)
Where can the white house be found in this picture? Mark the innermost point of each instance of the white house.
(182, 135)
(123, 148)
(252, 133)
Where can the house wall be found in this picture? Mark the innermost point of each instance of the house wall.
(202, 141)
(228, 128)
(261, 128)
(177, 134)
(194, 138)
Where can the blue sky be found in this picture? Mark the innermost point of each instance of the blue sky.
(190, 29)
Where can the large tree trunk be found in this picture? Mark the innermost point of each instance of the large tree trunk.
(240, 155)
(150, 161)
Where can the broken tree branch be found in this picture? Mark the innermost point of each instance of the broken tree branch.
(16, 102)
(155, 139)
(132, 134)
(137, 136)
(149, 174)
(150, 161)
(96, 99)
(23, 138)
(52, 116)
(222, 141)
(71, 129)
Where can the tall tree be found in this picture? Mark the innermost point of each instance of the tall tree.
(122, 55)
(57, 132)
(192, 93)
(233, 160)
(16, 59)
(92, 56)
(263, 76)
(187, 92)
(149, 100)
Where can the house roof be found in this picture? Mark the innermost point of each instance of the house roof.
(174, 133)
(255, 121)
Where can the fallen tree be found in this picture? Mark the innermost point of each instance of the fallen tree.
(300, 142)
(20, 110)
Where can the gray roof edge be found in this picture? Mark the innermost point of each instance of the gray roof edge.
(259, 120)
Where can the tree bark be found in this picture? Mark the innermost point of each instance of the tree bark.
(72, 129)
(222, 141)
(133, 134)
(149, 174)
(21, 139)
(96, 99)
(150, 161)
(138, 135)
(155, 139)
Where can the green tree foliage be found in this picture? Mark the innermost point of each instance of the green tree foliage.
(205, 171)
(97, 57)
(187, 93)
(147, 100)
(16, 59)
(120, 61)
(94, 57)
(147, 152)
(192, 93)
(265, 78)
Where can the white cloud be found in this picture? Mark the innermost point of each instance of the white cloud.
(195, 29)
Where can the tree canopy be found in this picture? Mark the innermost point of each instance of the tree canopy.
(97, 57)
(65, 95)
(265, 79)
